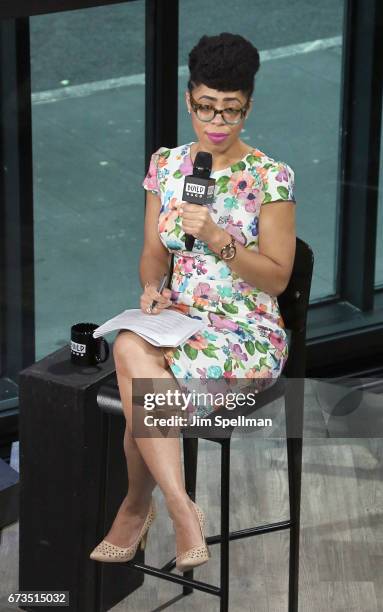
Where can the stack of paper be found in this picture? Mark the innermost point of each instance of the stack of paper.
(168, 328)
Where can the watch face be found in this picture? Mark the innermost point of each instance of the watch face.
(229, 252)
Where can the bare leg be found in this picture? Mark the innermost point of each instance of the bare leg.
(141, 482)
(135, 504)
(160, 457)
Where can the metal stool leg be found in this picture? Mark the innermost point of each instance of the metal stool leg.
(190, 446)
(225, 526)
(294, 402)
(294, 454)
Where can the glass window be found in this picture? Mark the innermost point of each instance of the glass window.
(296, 112)
(88, 149)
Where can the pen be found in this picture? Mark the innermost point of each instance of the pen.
(161, 287)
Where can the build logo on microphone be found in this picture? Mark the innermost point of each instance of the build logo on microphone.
(198, 190)
(192, 189)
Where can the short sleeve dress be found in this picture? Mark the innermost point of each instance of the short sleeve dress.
(244, 336)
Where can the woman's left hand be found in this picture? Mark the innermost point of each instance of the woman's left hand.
(196, 220)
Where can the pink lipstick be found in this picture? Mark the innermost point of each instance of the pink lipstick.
(216, 137)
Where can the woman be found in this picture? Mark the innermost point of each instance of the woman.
(233, 290)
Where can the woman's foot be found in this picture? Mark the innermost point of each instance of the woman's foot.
(128, 522)
(186, 525)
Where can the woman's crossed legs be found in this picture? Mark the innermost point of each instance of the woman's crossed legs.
(150, 460)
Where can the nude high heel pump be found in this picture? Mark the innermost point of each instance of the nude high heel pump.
(197, 555)
(110, 553)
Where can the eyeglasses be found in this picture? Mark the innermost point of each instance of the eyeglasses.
(206, 112)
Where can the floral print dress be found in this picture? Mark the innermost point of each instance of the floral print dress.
(244, 336)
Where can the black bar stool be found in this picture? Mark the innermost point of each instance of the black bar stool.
(293, 303)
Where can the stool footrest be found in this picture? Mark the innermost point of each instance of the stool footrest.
(160, 573)
(251, 531)
(215, 539)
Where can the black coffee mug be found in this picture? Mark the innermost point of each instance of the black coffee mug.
(86, 350)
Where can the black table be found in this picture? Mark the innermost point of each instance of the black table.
(69, 492)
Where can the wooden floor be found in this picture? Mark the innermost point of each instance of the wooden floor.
(341, 559)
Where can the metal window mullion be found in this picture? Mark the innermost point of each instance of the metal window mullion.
(360, 150)
(17, 253)
(12, 9)
(161, 75)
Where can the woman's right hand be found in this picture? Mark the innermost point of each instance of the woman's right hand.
(150, 293)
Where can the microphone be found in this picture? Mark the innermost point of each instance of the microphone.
(199, 187)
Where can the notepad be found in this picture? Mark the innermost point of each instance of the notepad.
(167, 328)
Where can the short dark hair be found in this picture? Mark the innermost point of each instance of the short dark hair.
(226, 62)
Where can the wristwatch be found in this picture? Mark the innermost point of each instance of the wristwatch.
(229, 250)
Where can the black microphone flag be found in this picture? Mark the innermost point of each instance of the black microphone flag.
(199, 187)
